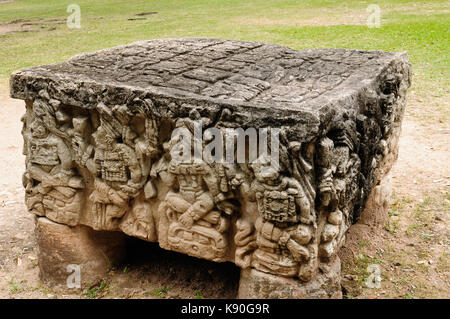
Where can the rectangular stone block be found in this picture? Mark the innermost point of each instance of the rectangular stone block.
(78, 251)
(224, 150)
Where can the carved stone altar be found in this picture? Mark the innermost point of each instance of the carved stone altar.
(102, 156)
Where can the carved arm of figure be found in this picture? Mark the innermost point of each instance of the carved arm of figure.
(37, 173)
(128, 135)
(205, 202)
(251, 191)
(213, 185)
(326, 187)
(294, 188)
(64, 154)
(93, 163)
(161, 169)
(199, 210)
(137, 180)
(298, 252)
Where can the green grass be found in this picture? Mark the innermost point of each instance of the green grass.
(98, 290)
(160, 292)
(419, 27)
(15, 286)
(198, 294)
(360, 267)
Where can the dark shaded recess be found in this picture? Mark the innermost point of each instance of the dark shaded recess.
(184, 273)
(371, 130)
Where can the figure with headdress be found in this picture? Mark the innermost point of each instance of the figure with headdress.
(51, 181)
(194, 223)
(119, 174)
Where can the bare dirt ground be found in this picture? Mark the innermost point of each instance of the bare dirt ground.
(412, 250)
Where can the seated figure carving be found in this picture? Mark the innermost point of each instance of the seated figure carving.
(51, 182)
(196, 224)
(282, 235)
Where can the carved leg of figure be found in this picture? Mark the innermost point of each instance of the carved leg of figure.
(60, 245)
(325, 284)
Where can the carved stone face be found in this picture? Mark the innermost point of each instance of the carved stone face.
(181, 146)
(79, 124)
(265, 172)
(180, 149)
(38, 130)
(103, 139)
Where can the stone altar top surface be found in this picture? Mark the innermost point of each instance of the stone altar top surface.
(219, 71)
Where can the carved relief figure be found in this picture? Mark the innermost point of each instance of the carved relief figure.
(120, 171)
(338, 167)
(139, 222)
(82, 150)
(285, 227)
(245, 240)
(195, 217)
(52, 183)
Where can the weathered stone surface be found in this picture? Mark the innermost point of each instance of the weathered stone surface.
(103, 133)
(257, 284)
(95, 252)
(373, 219)
(375, 211)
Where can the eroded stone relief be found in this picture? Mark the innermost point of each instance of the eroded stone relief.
(109, 160)
(52, 183)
